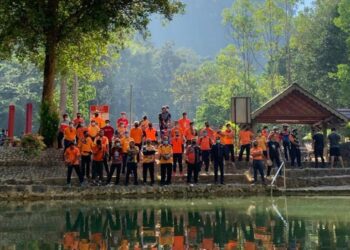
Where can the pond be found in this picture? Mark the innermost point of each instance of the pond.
(231, 223)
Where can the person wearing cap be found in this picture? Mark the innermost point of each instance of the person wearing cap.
(123, 119)
(318, 143)
(108, 132)
(285, 135)
(191, 133)
(63, 125)
(178, 149)
(72, 159)
(85, 146)
(164, 118)
(148, 161)
(245, 139)
(205, 143)
(193, 161)
(258, 163)
(78, 120)
(295, 148)
(150, 133)
(125, 142)
(136, 134)
(229, 137)
(217, 157)
(144, 123)
(132, 160)
(165, 152)
(93, 129)
(117, 161)
(99, 121)
(70, 135)
(184, 122)
(105, 144)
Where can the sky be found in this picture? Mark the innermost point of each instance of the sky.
(199, 29)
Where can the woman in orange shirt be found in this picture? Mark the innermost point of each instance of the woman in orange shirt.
(71, 156)
(98, 153)
(258, 163)
(245, 138)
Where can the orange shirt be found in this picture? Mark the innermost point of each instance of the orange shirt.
(210, 132)
(151, 134)
(98, 153)
(245, 137)
(144, 124)
(99, 121)
(85, 146)
(184, 123)
(205, 143)
(80, 132)
(177, 143)
(165, 150)
(257, 153)
(261, 142)
(229, 137)
(208, 243)
(77, 120)
(179, 242)
(72, 156)
(190, 134)
(104, 140)
(93, 130)
(125, 143)
(136, 134)
(70, 134)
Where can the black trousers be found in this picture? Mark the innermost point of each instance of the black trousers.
(258, 166)
(97, 170)
(59, 139)
(229, 150)
(243, 148)
(85, 165)
(77, 171)
(319, 153)
(177, 158)
(192, 170)
(105, 164)
(287, 150)
(131, 168)
(206, 159)
(275, 161)
(125, 157)
(117, 167)
(148, 167)
(165, 173)
(219, 165)
(295, 156)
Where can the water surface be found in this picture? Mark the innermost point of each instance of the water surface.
(234, 223)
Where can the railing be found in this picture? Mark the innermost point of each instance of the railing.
(276, 175)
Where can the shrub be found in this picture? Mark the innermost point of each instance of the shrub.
(32, 144)
(49, 120)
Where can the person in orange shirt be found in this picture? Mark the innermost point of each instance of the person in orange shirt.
(148, 161)
(245, 139)
(210, 132)
(205, 143)
(63, 125)
(78, 120)
(151, 133)
(184, 122)
(265, 132)
(98, 154)
(99, 121)
(276, 134)
(136, 133)
(178, 149)
(258, 163)
(229, 142)
(93, 130)
(70, 135)
(179, 234)
(166, 161)
(176, 129)
(125, 142)
(71, 156)
(144, 123)
(190, 133)
(85, 146)
(105, 143)
(80, 131)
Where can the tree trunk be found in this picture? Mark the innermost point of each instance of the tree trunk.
(75, 94)
(63, 95)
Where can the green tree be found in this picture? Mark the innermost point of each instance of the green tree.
(28, 27)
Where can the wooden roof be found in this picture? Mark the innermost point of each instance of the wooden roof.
(295, 105)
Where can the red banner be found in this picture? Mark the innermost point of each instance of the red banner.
(103, 111)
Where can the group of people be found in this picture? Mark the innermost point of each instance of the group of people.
(99, 146)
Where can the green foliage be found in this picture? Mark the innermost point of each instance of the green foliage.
(32, 144)
(50, 120)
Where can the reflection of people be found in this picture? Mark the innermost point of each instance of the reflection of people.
(96, 237)
(297, 233)
(232, 242)
(208, 234)
(194, 229)
(325, 236)
(71, 235)
(115, 227)
(179, 234)
(149, 240)
(248, 233)
(131, 230)
(220, 228)
(166, 236)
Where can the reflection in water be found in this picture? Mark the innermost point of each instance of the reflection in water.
(258, 227)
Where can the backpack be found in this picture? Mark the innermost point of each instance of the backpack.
(191, 155)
